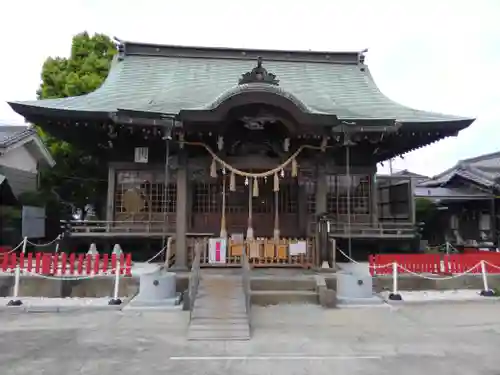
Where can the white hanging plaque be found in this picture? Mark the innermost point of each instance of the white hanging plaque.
(141, 155)
(217, 250)
(297, 248)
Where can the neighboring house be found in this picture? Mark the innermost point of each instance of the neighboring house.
(414, 177)
(22, 154)
(469, 197)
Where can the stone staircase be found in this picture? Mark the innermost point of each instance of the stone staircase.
(219, 311)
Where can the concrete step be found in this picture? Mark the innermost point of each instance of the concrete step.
(211, 314)
(226, 321)
(219, 327)
(307, 283)
(275, 297)
(219, 311)
(219, 336)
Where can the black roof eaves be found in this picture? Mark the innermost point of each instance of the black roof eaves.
(448, 125)
(170, 50)
(29, 111)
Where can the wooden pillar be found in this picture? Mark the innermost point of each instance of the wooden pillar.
(321, 191)
(302, 210)
(276, 231)
(374, 198)
(250, 233)
(181, 213)
(110, 204)
(493, 218)
(321, 206)
(411, 201)
(190, 192)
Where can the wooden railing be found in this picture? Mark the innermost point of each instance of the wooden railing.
(105, 226)
(375, 230)
(260, 252)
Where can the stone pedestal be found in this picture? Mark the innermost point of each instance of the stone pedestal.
(156, 289)
(355, 289)
(351, 285)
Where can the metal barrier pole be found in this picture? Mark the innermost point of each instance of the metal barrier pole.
(395, 296)
(115, 300)
(486, 292)
(15, 301)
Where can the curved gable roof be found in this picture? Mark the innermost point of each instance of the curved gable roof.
(168, 79)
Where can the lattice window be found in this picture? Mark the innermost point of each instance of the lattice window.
(145, 191)
(310, 188)
(237, 201)
(359, 187)
(207, 197)
(332, 195)
(288, 198)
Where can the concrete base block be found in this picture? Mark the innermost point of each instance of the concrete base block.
(371, 301)
(352, 285)
(140, 302)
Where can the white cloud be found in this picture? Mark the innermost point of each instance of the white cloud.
(434, 55)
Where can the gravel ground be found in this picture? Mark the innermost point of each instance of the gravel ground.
(63, 302)
(440, 295)
(410, 339)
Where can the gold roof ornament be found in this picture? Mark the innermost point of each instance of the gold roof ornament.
(260, 75)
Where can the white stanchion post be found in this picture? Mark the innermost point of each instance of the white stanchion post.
(15, 301)
(486, 292)
(115, 300)
(395, 296)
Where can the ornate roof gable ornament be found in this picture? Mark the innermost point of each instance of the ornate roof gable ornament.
(259, 74)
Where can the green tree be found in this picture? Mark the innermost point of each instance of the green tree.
(426, 213)
(77, 178)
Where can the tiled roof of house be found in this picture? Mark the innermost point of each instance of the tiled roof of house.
(11, 134)
(483, 170)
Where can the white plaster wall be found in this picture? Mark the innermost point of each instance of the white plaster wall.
(19, 158)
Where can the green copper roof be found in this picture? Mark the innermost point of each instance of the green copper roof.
(169, 79)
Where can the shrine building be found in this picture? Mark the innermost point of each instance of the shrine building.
(250, 145)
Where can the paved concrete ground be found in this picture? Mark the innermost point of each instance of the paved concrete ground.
(427, 339)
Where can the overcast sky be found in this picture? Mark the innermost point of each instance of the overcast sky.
(436, 55)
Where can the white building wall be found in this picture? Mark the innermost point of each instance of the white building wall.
(19, 158)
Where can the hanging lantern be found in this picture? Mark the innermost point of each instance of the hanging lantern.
(246, 181)
(255, 187)
(224, 171)
(232, 182)
(282, 173)
(220, 143)
(213, 169)
(294, 168)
